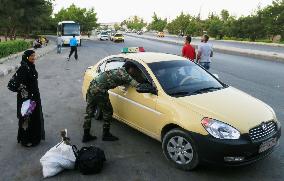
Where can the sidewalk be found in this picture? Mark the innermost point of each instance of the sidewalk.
(273, 56)
(11, 63)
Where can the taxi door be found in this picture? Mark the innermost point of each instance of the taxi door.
(138, 109)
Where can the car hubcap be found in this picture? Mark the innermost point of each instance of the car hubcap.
(180, 150)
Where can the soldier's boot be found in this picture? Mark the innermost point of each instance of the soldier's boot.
(107, 136)
(87, 136)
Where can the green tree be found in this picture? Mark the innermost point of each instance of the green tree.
(157, 23)
(117, 27)
(225, 15)
(86, 18)
(273, 18)
(214, 26)
(179, 24)
(135, 23)
(23, 16)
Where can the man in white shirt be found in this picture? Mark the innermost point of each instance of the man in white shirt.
(205, 52)
(59, 42)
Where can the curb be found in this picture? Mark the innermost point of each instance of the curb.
(272, 56)
(7, 69)
(13, 56)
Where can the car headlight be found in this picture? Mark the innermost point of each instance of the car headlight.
(219, 129)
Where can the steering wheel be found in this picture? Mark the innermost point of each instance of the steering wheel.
(185, 79)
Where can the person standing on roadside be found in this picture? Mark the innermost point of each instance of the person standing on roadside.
(59, 42)
(25, 83)
(205, 52)
(188, 51)
(73, 44)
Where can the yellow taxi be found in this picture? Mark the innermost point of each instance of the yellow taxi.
(161, 34)
(118, 37)
(197, 117)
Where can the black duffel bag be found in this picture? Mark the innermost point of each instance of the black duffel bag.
(90, 160)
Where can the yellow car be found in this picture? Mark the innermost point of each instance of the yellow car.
(118, 37)
(195, 116)
(161, 34)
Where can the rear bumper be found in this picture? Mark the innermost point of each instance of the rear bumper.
(104, 38)
(116, 39)
(212, 150)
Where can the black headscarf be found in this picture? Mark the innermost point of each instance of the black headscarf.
(27, 54)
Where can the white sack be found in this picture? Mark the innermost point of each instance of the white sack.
(56, 159)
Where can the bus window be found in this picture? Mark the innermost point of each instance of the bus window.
(71, 29)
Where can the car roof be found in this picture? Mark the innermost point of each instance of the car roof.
(151, 57)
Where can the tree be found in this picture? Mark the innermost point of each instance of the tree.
(117, 27)
(225, 15)
(157, 23)
(86, 18)
(214, 26)
(135, 23)
(273, 18)
(23, 15)
(179, 24)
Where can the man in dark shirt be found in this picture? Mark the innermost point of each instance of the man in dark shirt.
(188, 51)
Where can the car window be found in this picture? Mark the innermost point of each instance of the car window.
(101, 68)
(142, 75)
(114, 63)
(183, 77)
(117, 35)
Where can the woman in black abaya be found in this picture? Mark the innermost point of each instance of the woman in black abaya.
(31, 127)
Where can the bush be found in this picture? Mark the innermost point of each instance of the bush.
(10, 47)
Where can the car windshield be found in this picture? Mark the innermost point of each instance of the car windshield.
(182, 78)
(103, 33)
(118, 35)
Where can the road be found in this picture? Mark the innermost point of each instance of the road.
(135, 157)
(241, 45)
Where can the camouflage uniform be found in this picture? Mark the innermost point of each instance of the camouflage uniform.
(97, 94)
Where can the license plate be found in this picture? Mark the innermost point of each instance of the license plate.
(267, 144)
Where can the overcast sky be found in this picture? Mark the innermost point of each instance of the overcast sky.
(119, 10)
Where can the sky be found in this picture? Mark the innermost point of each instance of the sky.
(109, 11)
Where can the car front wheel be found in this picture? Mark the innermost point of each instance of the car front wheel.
(180, 149)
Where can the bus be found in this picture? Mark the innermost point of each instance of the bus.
(67, 29)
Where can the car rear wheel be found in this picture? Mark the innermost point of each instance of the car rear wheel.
(98, 113)
(180, 149)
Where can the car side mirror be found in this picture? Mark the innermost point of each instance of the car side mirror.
(146, 88)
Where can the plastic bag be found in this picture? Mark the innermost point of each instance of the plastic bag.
(57, 159)
(28, 107)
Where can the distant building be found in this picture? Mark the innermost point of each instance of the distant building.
(108, 25)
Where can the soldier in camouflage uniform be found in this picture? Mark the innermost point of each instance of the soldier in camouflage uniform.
(97, 94)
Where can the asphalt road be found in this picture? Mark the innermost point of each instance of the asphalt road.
(246, 46)
(135, 157)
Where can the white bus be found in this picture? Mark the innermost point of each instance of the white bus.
(67, 29)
